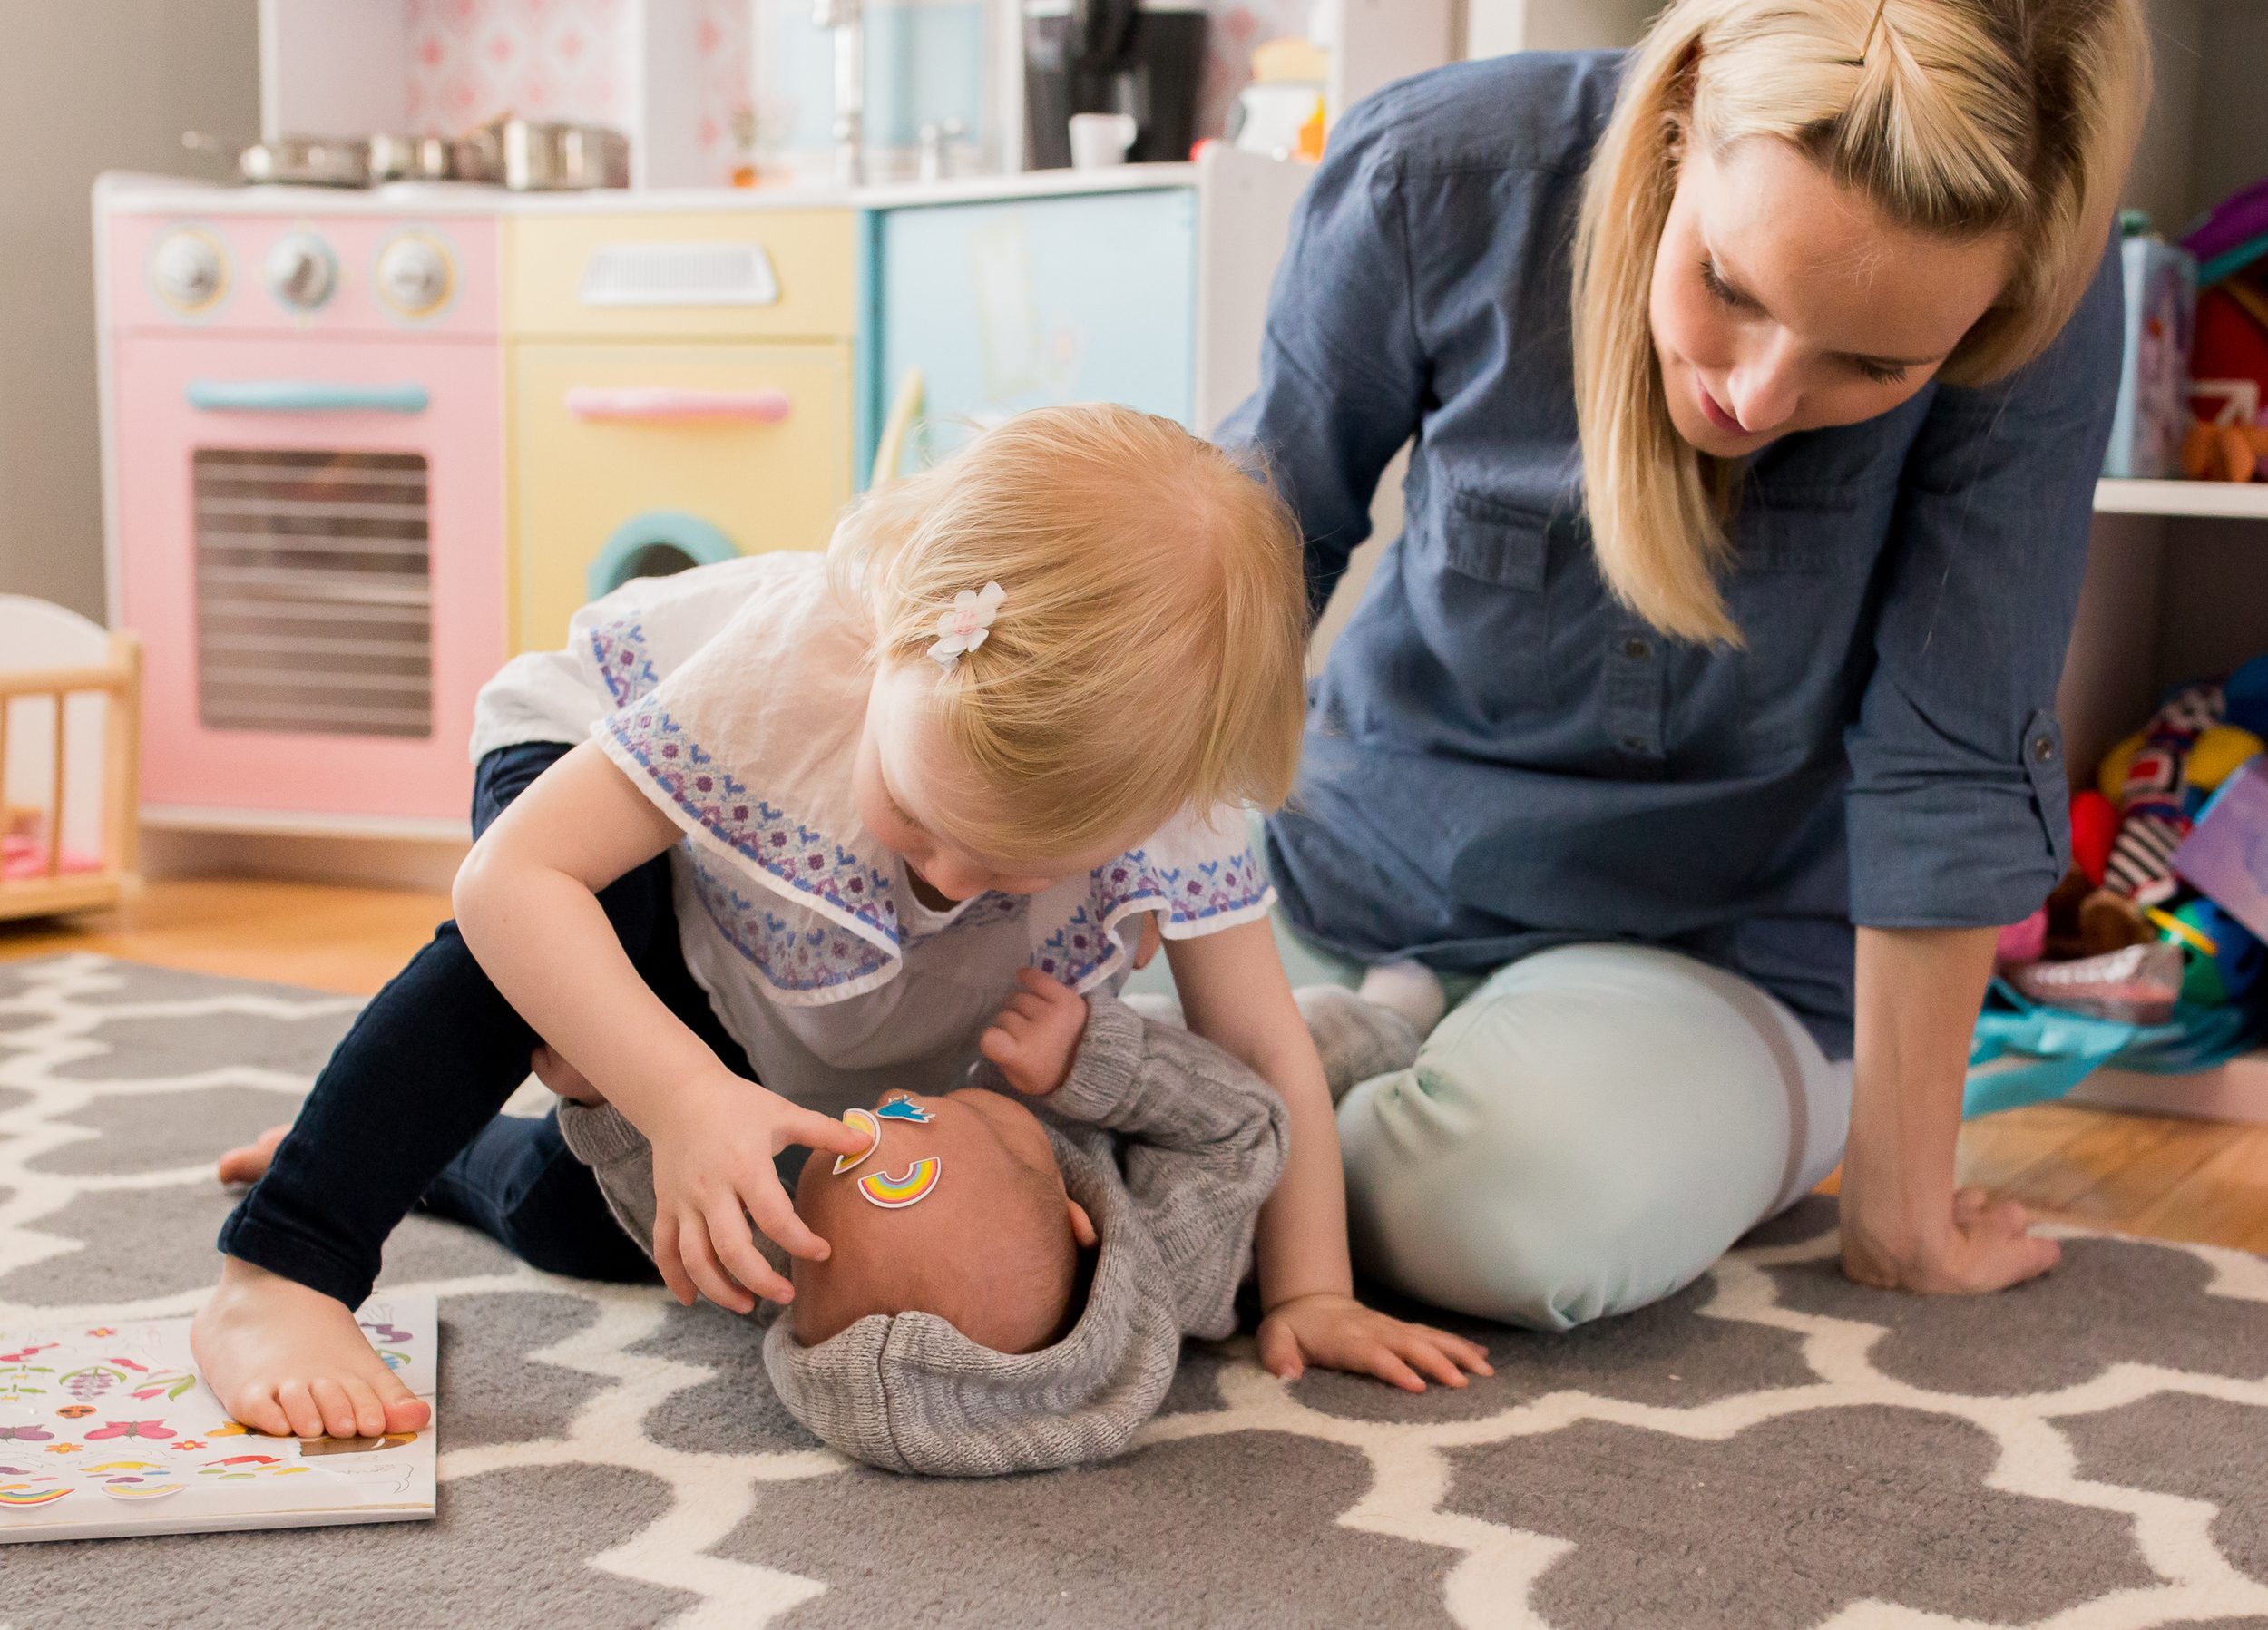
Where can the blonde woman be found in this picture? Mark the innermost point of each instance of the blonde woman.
(1759, 380)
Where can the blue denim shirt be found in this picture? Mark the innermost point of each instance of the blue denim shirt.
(1498, 757)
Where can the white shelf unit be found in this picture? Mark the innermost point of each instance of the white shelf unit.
(2177, 571)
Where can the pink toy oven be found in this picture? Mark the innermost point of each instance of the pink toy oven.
(306, 475)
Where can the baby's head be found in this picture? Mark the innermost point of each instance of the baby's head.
(993, 1249)
(1148, 655)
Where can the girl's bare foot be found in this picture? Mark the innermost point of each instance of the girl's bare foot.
(248, 1163)
(292, 1363)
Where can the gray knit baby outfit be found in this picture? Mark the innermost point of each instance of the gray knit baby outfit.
(1169, 1143)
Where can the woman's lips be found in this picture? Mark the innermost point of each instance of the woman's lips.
(1714, 415)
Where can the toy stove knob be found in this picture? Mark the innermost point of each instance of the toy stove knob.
(413, 275)
(188, 271)
(301, 272)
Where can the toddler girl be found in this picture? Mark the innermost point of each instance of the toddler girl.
(824, 809)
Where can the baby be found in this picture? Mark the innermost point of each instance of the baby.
(949, 1336)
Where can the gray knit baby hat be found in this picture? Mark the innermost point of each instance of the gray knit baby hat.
(909, 1393)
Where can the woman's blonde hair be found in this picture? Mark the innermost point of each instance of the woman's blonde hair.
(1959, 117)
(1149, 653)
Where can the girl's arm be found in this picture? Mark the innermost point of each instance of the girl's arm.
(526, 904)
(1904, 1225)
(1234, 994)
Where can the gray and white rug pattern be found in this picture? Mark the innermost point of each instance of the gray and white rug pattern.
(1773, 1446)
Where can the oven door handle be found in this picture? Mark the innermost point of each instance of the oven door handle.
(304, 395)
(666, 404)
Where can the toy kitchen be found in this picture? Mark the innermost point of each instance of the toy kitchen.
(388, 414)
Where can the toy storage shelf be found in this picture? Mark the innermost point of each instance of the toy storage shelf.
(2220, 499)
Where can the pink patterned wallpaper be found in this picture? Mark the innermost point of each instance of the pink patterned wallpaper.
(1238, 26)
(470, 60)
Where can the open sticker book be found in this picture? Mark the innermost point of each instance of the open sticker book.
(105, 1429)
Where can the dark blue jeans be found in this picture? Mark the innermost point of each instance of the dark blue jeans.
(406, 1112)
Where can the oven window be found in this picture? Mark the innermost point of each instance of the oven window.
(314, 592)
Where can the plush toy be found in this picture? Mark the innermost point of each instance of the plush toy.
(2094, 828)
(2152, 821)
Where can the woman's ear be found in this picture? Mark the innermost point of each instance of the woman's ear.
(1082, 1226)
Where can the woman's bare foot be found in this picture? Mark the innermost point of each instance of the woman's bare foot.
(291, 1361)
(248, 1163)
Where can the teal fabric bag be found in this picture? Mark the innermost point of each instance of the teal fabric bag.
(2023, 1053)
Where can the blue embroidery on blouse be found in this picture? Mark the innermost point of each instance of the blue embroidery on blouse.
(788, 958)
(620, 647)
(806, 861)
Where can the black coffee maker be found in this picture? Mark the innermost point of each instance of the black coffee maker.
(1112, 57)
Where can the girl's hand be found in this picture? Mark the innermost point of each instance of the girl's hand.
(1339, 1333)
(1035, 1038)
(712, 1171)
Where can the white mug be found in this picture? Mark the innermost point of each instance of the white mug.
(1100, 140)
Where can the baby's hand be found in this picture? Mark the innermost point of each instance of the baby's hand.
(1036, 1035)
(1339, 1333)
(712, 1171)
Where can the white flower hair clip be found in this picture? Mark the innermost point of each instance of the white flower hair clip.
(967, 625)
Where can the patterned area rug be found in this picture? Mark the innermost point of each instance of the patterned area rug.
(1773, 1447)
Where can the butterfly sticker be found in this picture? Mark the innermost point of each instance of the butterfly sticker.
(131, 1429)
(27, 1434)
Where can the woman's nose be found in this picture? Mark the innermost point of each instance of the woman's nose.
(1763, 392)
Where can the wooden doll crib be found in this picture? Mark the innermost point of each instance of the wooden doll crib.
(69, 739)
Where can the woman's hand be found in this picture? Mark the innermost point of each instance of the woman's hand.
(1985, 1247)
(713, 1143)
(1904, 1227)
(1339, 1333)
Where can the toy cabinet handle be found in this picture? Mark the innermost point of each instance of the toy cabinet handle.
(304, 395)
(664, 404)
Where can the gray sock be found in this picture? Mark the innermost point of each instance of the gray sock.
(1357, 1038)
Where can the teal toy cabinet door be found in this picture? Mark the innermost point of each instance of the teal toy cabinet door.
(1032, 302)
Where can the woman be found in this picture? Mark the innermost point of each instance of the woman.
(1759, 382)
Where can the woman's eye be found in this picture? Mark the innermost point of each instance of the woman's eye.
(1880, 373)
(1716, 286)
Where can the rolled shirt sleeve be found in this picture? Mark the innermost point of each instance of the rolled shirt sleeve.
(1957, 807)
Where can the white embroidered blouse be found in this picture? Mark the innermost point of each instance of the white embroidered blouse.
(733, 696)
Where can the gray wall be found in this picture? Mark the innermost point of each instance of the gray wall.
(84, 87)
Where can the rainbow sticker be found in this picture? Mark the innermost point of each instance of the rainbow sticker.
(890, 1193)
(17, 1494)
(861, 1120)
(897, 1107)
(131, 1491)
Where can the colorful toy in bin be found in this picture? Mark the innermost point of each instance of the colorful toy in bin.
(2226, 854)
(2221, 961)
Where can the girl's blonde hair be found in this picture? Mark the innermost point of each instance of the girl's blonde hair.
(1959, 117)
(1149, 653)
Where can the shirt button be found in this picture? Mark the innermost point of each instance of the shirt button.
(1637, 650)
(2044, 749)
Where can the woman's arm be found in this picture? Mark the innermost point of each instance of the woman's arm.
(526, 904)
(1904, 1225)
(1234, 994)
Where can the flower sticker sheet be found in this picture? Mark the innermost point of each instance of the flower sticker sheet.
(105, 1429)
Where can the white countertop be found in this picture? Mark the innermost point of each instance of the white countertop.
(124, 192)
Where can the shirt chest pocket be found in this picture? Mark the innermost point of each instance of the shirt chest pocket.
(1490, 607)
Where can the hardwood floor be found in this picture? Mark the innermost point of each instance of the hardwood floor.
(2195, 1180)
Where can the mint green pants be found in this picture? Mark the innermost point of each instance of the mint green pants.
(1585, 1132)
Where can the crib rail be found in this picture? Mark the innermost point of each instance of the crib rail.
(40, 877)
